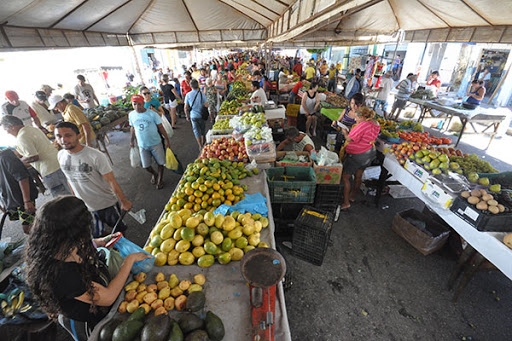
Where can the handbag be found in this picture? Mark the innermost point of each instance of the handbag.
(204, 110)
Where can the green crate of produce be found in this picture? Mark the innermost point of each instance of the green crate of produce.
(291, 184)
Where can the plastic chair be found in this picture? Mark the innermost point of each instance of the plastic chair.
(79, 331)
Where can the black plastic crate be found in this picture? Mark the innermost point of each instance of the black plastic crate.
(311, 234)
(284, 219)
(482, 221)
(328, 197)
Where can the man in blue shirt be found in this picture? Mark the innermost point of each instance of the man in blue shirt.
(145, 125)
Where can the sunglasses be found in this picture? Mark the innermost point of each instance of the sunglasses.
(146, 93)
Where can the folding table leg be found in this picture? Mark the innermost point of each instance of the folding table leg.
(470, 270)
(464, 258)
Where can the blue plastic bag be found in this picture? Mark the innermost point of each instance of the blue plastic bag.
(252, 203)
(126, 247)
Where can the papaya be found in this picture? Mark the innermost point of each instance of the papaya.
(156, 329)
(176, 334)
(127, 330)
(197, 335)
(214, 326)
(108, 329)
(195, 301)
(189, 322)
(139, 314)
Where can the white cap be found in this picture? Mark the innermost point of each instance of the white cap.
(54, 100)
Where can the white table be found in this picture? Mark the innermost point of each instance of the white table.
(488, 244)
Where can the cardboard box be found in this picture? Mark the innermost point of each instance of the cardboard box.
(437, 195)
(329, 175)
(426, 240)
(276, 124)
(280, 155)
(416, 170)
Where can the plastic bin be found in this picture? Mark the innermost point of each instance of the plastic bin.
(328, 197)
(291, 184)
(311, 235)
(427, 240)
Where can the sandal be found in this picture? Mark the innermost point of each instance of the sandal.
(160, 185)
(153, 179)
(344, 208)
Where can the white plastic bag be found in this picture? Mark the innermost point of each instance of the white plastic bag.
(167, 127)
(135, 157)
(327, 158)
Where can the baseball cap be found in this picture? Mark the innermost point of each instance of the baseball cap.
(54, 100)
(41, 95)
(11, 95)
(137, 99)
(46, 88)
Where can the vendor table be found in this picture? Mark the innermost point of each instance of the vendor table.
(486, 116)
(488, 244)
(227, 293)
(101, 134)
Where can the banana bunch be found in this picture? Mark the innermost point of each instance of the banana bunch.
(12, 303)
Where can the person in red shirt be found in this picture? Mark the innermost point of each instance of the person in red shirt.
(297, 68)
(359, 152)
(185, 84)
(433, 80)
(295, 90)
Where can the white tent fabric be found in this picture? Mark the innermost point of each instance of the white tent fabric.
(32, 24)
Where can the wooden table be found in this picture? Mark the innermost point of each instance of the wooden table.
(486, 116)
(101, 134)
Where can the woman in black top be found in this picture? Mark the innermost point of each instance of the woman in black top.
(170, 98)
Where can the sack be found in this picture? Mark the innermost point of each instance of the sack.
(167, 127)
(170, 160)
(126, 247)
(135, 157)
(205, 113)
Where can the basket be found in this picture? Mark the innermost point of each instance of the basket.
(291, 184)
(311, 235)
(292, 110)
(328, 197)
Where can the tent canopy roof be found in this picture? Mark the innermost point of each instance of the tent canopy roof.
(28, 24)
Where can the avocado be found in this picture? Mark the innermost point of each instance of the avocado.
(214, 326)
(189, 322)
(139, 314)
(195, 301)
(156, 329)
(176, 334)
(198, 335)
(108, 329)
(127, 330)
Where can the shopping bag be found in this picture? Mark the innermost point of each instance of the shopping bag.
(113, 261)
(170, 160)
(167, 127)
(135, 157)
(205, 113)
(126, 247)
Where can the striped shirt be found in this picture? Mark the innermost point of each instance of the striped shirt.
(362, 137)
(404, 89)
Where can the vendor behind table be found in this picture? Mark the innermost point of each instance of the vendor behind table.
(299, 140)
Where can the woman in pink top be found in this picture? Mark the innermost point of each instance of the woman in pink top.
(359, 152)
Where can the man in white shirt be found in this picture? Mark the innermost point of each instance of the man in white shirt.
(85, 93)
(386, 85)
(258, 96)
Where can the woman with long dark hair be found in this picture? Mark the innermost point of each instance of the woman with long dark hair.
(63, 268)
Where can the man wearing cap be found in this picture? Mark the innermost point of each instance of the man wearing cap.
(15, 107)
(91, 177)
(85, 93)
(71, 113)
(145, 125)
(47, 90)
(40, 106)
(35, 149)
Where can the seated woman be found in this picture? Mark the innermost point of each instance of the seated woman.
(299, 140)
(63, 269)
(476, 93)
(347, 119)
(359, 152)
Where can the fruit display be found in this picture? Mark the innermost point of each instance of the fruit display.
(419, 94)
(208, 183)
(222, 126)
(203, 237)
(249, 119)
(161, 327)
(13, 302)
(336, 101)
(388, 128)
(101, 116)
(434, 161)
(225, 148)
(507, 240)
(425, 137)
(229, 107)
(257, 135)
(411, 125)
(163, 295)
(473, 164)
(238, 91)
(484, 201)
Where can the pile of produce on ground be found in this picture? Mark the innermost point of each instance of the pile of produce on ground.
(163, 298)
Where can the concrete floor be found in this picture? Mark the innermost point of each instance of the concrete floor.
(372, 284)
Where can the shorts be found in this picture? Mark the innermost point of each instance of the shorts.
(156, 151)
(108, 216)
(399, 103)
(198, 127)
(353, 162)
(170, 105)
(57, 183)
(382, 103)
